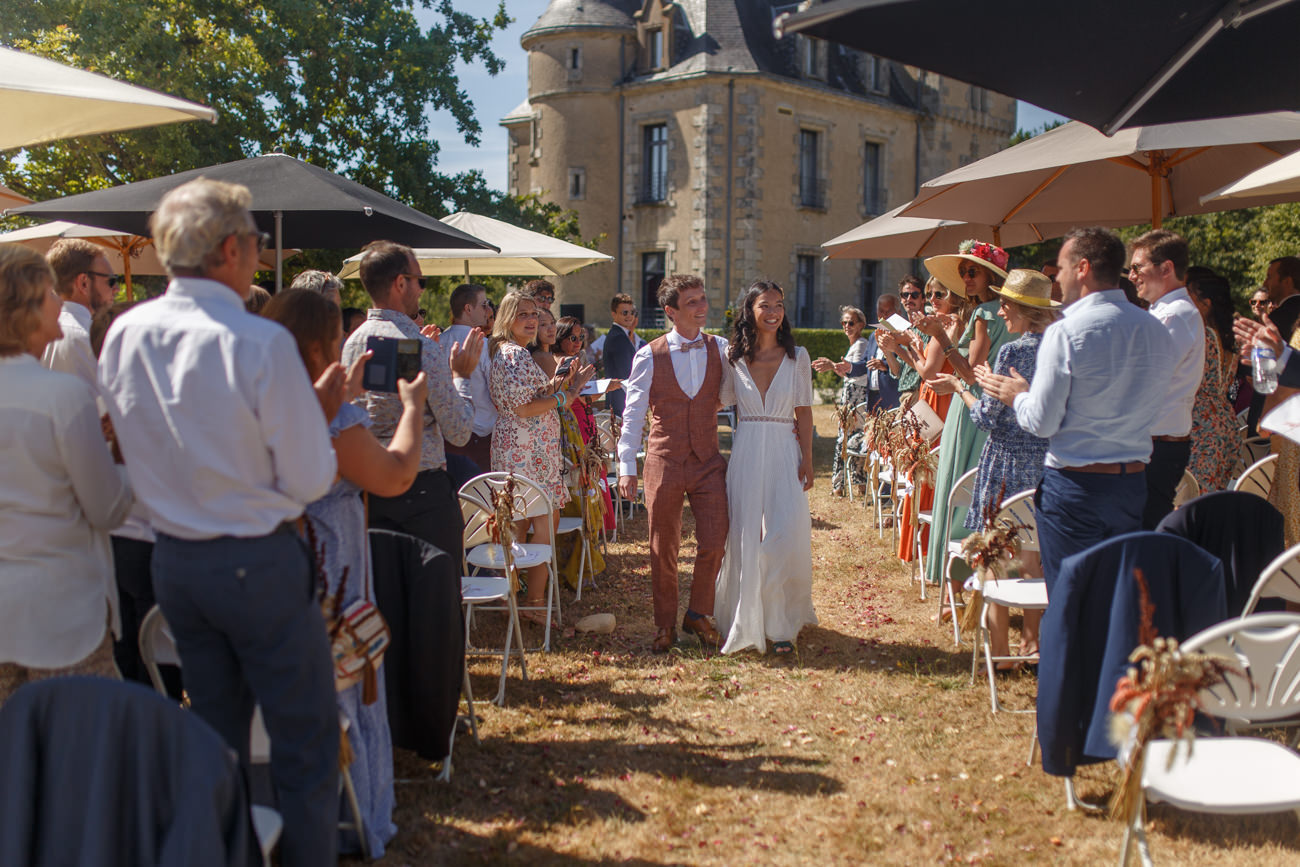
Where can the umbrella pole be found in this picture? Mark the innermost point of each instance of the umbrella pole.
(126, 274)
(1155, 196)
(997, 236)
(279, 251)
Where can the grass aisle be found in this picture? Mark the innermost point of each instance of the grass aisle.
(870, 747)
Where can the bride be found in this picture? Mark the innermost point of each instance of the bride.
(764, 589)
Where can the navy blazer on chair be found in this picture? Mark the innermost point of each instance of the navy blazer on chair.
(1244, 531)
(888, 393)
(1091, 627)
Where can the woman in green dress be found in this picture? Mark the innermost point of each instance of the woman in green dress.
(972, 272)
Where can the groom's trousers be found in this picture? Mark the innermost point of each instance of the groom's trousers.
(667, 484)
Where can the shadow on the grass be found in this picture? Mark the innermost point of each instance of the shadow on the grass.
(450, 845)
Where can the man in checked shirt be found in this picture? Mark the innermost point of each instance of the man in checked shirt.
(429, 510)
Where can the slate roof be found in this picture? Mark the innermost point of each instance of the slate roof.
(590, 14)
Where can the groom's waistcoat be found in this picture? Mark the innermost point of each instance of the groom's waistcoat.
(680, 425)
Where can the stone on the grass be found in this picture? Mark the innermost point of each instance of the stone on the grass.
(602, 623)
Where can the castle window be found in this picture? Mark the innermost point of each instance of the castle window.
(654, 163)
(575, 58)
(812, 59)
(979, 99)
(577, 183)
(877, 74)
(654, 40)
(653, 268)
(869, 281)
(805, 291)
(812, 192)
(873, 198)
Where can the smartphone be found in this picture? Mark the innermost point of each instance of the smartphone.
(391, 359)
(565, 366)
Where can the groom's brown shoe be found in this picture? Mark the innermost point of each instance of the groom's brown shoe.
(703, 629)
(664, 640)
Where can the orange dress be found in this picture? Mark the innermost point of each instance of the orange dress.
(939, 403)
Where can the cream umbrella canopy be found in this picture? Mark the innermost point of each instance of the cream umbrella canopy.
(1278, 180)
(523, 253)
(10, 199)
(894, 236)
(1075, 174)
(126, 254)
(41, 100)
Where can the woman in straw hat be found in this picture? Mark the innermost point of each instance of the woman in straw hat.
(972, 272)
(1012, 459)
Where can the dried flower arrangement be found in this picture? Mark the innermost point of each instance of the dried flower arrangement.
(991, 553)
(1157, 698)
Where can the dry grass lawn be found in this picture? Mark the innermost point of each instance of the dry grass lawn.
(872, 746)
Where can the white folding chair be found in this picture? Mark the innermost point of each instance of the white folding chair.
(960, 497)
(1258, 477)
(1231, 775)
(924, 518)
(858, 456)
(1252, 449)
(530, 501)
(609, 444)
(1028, 593)
(1280, 579)
(158, 647)
(1188, 489)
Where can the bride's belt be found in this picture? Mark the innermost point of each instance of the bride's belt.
(770, 419)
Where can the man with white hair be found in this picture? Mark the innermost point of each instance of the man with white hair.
(320, 282)
(225, 443)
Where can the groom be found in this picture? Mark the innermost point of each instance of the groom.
(678, 378)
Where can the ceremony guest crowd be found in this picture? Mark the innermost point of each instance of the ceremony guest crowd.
(228, 465)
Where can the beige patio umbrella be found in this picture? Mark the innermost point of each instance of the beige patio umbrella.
(1075, 174)
(523, 253)
(1279, 180)
(893, 236)
(126, 254)
(41, 101)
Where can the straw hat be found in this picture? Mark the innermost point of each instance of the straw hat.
(947, 268)
(1028, 287)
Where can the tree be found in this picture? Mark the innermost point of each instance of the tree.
(343, 84)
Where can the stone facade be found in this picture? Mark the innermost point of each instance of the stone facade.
(693, 140)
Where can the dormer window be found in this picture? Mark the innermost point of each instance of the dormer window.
(654, 41)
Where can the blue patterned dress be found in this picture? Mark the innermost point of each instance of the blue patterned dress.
(1011, 456)
(338, 522)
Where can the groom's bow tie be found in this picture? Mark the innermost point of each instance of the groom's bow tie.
(697, 343)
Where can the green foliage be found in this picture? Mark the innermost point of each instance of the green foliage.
(1026, 134)
(344, 85)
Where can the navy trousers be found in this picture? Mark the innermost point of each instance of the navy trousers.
(249, 631)
(1168, 462)
(1076, 510)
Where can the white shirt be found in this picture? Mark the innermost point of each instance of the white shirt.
(858, 352)
(60, 494)
(1183, 321)
(216, 417)
(689, 368)
(71, 353)
(475, 389)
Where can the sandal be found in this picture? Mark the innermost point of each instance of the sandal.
(783, 648)
(538, 616)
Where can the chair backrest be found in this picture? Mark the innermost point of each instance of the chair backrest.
(1020, 509)
(476, 514)
(1188, 489)
(1280, 579)
(1266, 649)
(530, 500)
(1258, 478)
(157, 647)
(963, 491)
(1254, 448)
(609, 443)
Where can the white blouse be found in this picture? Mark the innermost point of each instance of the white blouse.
(858, 352)
(60, 494)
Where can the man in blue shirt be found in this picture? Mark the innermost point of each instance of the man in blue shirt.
(1101, 382)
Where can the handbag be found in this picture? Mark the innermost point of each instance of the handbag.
(358, 634)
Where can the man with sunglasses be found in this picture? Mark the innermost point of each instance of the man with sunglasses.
(86, 284)
(900, 355)
(429, 509)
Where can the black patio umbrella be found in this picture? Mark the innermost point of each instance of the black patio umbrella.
(1109, 63)
(301, 205)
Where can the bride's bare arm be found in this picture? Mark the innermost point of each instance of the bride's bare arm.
(803, 426)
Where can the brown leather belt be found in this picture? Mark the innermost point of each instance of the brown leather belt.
(1169, 439)
(1109, 469)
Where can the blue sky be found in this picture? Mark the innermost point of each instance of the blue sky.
(494, 97)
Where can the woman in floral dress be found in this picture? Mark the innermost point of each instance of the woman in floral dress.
(1215, 441)
(526, 439)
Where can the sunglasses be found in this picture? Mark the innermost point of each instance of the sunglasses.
(418, 278)
(1262, 303)
(937, 294)
(972, 272)
(111, 278)
(910, 294)
(848, 322)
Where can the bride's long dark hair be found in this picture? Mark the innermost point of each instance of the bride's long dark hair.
(744, 335)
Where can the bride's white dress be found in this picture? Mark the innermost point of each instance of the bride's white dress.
(764, 589)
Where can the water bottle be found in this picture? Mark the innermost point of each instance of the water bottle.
(1264, 362)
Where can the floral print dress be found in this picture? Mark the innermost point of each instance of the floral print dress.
(527, 446)
(1215, 441)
